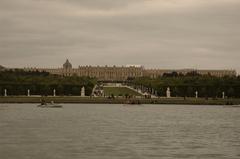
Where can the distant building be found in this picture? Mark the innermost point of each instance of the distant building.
(67, 65)
(154, 73)
(114, 73)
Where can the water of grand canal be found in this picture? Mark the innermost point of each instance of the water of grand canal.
(86, 131)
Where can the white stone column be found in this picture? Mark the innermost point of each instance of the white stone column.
(223, 95)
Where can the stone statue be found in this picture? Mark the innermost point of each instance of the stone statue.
(83, 92)
(28, 92)
(153, 91)
(196, 94)
(54, 92)
(156, 93)
(5, 92)
(223, 95)
(168, 93)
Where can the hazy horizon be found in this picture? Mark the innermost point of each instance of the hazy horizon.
(136, 65)
(164, 34)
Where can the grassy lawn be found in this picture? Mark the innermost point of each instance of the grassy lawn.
(119, 91)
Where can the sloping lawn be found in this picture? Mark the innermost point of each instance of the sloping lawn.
(119, 91)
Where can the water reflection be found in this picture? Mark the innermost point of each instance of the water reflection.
(116, 131)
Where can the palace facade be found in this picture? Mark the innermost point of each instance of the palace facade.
(114, 73)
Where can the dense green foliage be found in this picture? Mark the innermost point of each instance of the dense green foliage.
(17, 82)
(187, 85)
(1, 67)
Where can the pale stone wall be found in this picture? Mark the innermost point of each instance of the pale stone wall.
(110, 73)
(114, 73)
(218, 73)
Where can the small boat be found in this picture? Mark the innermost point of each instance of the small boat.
(231, 106)
(49, 105)
(234, 106)
(132, 102)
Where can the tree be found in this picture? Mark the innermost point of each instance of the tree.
(190, 91)
(75, 90)
(230, 92)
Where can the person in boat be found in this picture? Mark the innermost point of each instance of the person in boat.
(43, 102)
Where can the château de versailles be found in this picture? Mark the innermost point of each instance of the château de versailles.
(115, 73)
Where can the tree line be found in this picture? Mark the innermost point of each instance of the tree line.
(17, 82)
(186, 85)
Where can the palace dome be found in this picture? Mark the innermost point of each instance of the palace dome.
(67, 65)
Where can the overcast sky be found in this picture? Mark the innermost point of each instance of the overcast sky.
(203, 34)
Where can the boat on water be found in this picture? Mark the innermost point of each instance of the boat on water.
(132, 102)
(232, 106)
(49, 105)
(236, 106)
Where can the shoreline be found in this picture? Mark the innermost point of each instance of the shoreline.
(101, 100)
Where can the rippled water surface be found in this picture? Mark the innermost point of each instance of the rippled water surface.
(81, 131)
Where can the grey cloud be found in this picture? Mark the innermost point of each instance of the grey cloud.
(34, 35)
(99, 4)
